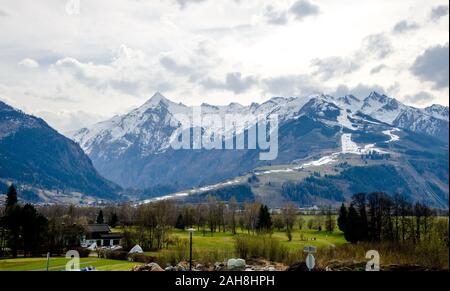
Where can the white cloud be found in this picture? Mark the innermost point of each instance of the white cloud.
(184, 3)
(234, 82)
(292, 85)
(378, 45)
(28, 63)
(334, 67)
(377, 69)
(114, 55)
(3, 13)
(404, 26)
(67, 120)
(275, 16)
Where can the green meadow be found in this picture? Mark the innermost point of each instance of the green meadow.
(59, 264)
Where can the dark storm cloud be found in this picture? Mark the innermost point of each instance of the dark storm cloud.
(432, 66)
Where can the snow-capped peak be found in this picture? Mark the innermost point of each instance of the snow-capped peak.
(156, 100)
(376, 96)
(382, 108)
(438, 111)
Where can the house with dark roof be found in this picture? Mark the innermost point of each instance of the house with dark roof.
(101, 235)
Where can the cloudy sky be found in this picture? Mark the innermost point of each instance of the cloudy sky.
(76, 62)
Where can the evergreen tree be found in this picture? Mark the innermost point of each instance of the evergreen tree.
(342, 219)
(100, 219)
(12, 220)
(269, 222)
(264, 223)
(180, 222)
(11, 196)
(113, 219)
(33, 229)
(353, 226)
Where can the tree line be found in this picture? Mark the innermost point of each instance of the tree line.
(378, 217)
(36, 230)
(56, 228)
(21, 227)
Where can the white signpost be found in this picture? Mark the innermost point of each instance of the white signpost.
(310, 249)
(310, 260)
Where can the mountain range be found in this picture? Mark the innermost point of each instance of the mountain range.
(329, 149)
(342, 140)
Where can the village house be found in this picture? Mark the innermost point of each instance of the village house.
(101, 235)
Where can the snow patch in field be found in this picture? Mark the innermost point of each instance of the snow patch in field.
(323, 161)
(289, 170)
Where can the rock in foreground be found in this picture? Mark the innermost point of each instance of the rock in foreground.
(152, 267)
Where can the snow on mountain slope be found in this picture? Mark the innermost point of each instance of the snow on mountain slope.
(153, 125)
(392, 135)
(134, 150)
(419, 121)
(143, 124)
(382, 107)
(438, 111)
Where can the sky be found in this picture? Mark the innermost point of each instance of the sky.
(78, 62)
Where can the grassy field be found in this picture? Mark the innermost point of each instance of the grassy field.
(206, 246)
(58, 264)
(226, 241)
(209, 247)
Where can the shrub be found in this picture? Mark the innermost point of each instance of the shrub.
(260, 246)
(114, 255)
